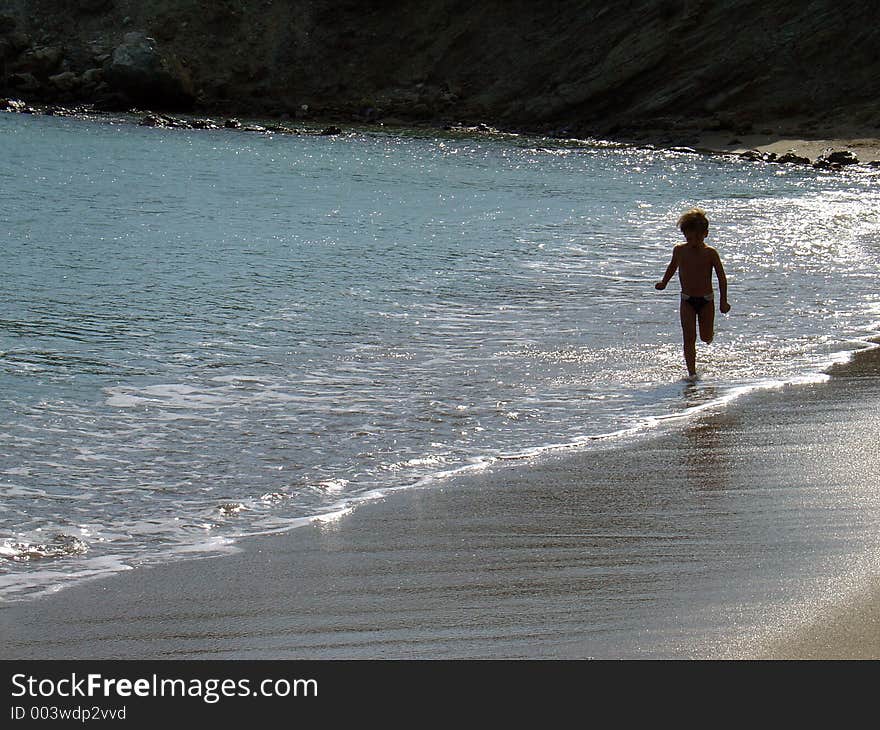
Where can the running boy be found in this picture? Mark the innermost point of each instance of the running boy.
(695, 261)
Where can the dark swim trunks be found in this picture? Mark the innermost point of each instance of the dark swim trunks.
(696, 302)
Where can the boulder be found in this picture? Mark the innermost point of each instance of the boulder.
(24, 82)
(139, 71)
(153, 120)
(95, 6)
(18, 41)
(41, 61)
(65, 81)
(92, 77)
(756, 156)
(839, 157)
(164, 121)
(792, 158)
(823, 164)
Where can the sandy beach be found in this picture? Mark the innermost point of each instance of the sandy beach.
(866, 149)
(735, 534)
(800, 137)
(863, 143)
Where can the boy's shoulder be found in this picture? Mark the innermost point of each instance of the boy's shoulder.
(704, 250)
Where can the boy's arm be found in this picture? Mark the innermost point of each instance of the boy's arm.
(723, 305)
(670, 270)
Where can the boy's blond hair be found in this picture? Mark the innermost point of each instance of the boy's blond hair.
(695, 218)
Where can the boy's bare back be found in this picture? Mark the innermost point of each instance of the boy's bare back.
(695, 264)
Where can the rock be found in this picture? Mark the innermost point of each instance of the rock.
(232, 124)
(7, 24)
(792, 158)
(105, 99)
(95, 6)
(839, 157)
(280, 129)
(18, 41)
(92, 77)
(145, 76)
(65, 81)
(25, 82)
(368, 114)
(163, 120)
(329, 131)
(12, 105)
(756, 156)
(204, 124)
(41, 61)
(152, 120)
(822, 164)
(480, 128)
(229, 509)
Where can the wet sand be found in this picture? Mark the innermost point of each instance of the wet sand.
(751, 531)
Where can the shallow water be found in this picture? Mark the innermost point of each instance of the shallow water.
(211, 334)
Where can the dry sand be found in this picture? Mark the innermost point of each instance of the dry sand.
(865, 148)
(793, 136)
(864, 143)
(848, 631)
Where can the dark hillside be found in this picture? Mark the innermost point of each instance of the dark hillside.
(590, 67)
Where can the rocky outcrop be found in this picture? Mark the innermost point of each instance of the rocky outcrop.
(144, 76)
(577, 68)
(839, 157)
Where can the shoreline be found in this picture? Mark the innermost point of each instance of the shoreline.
(859, 146)
(503, 565)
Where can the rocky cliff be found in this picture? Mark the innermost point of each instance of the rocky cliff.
(590, 67)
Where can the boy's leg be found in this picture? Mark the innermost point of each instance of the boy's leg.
(689, 334)
(707, 322)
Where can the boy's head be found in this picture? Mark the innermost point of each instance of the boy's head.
(694, 224)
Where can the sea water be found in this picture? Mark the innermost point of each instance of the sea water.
(210, 334)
